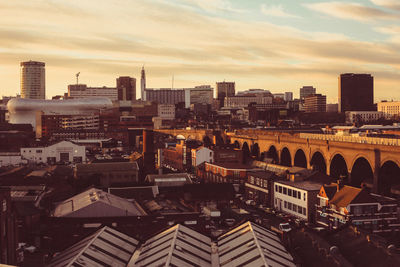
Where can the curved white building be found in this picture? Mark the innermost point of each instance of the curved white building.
(25, 110)
(33, 83)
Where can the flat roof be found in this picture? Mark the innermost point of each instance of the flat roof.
(305, 185)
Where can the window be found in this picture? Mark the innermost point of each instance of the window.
(290, 192)
(298, 195)
(38, 151)
(304, 196)
(285, 190)
(265, 183)
(285, 205)
(280, 189)
(294, 207)
(252, 179)
(276, 188)
(304, 211)
(290, 205)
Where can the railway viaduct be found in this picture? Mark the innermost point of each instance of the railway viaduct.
(373, 162)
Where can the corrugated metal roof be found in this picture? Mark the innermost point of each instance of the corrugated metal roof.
(108, 204)
(252, 245)
(106, 247)
(177, 246)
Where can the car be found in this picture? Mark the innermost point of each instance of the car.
(285, 227)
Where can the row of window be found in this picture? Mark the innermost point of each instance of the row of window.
(293, 207)
(290, 192)
(258, 181)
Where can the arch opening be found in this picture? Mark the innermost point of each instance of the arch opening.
(255, 151)
(273, 154)
(318, 162)
(338, 168)
(286, 159)
(246, 152)
(389, 176)
(236, 144)
(361, 172)
(300, 159)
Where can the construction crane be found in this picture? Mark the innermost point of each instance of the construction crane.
(77, 78)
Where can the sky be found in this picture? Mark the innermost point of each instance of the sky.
(279, 45)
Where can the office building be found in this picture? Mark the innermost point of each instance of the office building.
(306, 91)
(165, 95)
(202, 94)
(126, 87)
(244, 101)
(166, 111)
(225, 89)
(356, 92)
(391, 109)
(33, 83)
(315, 103)
(143, 84)
(332, 108)
(279, 95)
(288, 96)
(78, 91)
(363, 116)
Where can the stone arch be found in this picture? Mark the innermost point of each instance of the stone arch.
(286, 158)
(273, 154)
(361, 171)
(389, 176)
(338, 167)
(255, 151)
(300, 158)
(318, 162)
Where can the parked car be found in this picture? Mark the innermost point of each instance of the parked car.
(285, 227)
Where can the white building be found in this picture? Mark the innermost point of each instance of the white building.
(390, 108)
(279, 95)
(202, 154)
(296, 198)
(33, 82)
(61, 152)
(363, 116)
(82, 91)
(166, 111)
(244, 101)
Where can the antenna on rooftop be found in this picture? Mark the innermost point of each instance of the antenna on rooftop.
(77, 78)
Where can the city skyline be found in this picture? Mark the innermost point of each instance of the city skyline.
(275, 45)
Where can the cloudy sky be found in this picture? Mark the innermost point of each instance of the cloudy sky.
(278, 45)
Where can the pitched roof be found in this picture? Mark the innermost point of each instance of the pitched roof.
(176, 246)
(345, 196)
(96, 203)
(106, 247)
(330, 190)
(252, 245)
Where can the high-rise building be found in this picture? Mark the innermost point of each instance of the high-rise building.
(288, 96)
(315, 103)
(356, 92)
(33, 83)
(306, 91)
(126, 87)
(143, 85)
(225, 89)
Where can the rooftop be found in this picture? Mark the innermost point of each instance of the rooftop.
(305, 185)
(106, 167)
(97, 203)
(106, 247)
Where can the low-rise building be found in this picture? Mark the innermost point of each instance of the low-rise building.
(233, 173)
(315, 103)
(202, 154)
(169, 180)
(390, 109)
(63, 151)
(108, 173)
(363, 116)
(166, 111)
(339, 205)
(258, 187)
(297, 198)
(95, 203)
